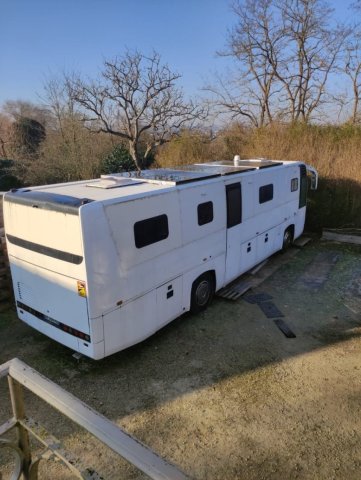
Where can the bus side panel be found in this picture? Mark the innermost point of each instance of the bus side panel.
(111, 278)
(101, 261)
(118, 271)
(131, 323)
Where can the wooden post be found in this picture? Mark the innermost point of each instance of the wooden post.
(17, 402)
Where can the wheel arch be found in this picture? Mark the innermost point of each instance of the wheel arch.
(207, 277)
(291, 227)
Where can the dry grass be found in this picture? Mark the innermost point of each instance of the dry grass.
(334, 150)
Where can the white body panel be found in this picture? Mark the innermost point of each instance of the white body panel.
(133, 291)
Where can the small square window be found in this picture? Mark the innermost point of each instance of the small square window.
(294, 184)
(205, 213)
(266, 193)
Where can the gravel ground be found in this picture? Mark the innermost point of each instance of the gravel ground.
(224, 394)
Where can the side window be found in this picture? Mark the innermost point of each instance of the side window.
(294, 184)
(205, 213)
(266, 193)
(151, 230)
(234, 204)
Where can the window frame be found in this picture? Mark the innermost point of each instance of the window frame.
(266, 193)
(294, 181)
(147, 233)
(204, 217)
(234, 217)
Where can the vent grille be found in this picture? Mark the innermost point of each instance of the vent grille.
(25, 293)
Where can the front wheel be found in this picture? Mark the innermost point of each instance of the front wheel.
(287, 239)
(202, 292)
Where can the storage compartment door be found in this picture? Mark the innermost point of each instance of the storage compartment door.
(169, 301)
(266, 244)
(248, 255)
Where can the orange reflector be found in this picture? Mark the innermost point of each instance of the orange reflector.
(81, 288)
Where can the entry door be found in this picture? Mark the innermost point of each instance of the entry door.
(303, 186)
(234, 220)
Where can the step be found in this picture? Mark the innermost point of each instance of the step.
(302, 241)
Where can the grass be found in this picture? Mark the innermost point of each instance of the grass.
(335, 151)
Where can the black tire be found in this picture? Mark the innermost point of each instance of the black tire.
(287, 239)
(202, 292)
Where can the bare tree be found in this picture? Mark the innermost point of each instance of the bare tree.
(312, 54)
(5, 129)
(256, 37)
(233, 94)
(17, 109)
(136, 99)
(352, 69)
(285, 52)
(352, 66)
(58, 101)
(70, 151)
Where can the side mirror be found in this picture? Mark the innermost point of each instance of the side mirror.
(314, 177)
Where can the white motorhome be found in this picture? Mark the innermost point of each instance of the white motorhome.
(103, 264)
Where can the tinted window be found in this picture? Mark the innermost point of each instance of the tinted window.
(303, 187)
(294, 184)
(205, 213)
(266, 193)
(234, 204)
(150, 231)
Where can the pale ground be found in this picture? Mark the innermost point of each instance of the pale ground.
(224, 394)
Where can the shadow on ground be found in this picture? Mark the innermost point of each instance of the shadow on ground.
(224, 394)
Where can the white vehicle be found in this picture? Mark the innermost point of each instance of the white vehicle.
(103, 264)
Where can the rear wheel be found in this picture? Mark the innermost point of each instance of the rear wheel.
(287, 239)
(202, 292)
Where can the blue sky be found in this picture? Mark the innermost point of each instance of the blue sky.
(40, 38)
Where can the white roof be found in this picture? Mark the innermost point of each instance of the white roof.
(85, 189)
(125, 185)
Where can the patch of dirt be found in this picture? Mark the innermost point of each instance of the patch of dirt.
(223, 394)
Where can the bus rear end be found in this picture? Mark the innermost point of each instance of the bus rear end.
(44, 239)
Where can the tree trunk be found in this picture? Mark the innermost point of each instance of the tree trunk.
(356, 97)
(133, 150)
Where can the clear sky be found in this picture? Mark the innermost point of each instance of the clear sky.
(40, 38)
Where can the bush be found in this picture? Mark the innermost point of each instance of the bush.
(119, 160)
(27, 135)
(7, 178)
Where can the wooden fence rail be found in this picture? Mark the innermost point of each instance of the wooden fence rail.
(19, 374)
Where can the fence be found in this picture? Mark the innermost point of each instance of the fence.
(19, 374)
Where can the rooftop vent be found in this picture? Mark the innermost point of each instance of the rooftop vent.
(114, 181)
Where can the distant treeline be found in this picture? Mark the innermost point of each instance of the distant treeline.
(334, 150)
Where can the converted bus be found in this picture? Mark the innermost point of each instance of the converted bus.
(103, 264)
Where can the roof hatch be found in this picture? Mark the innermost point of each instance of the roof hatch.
(115, 180)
